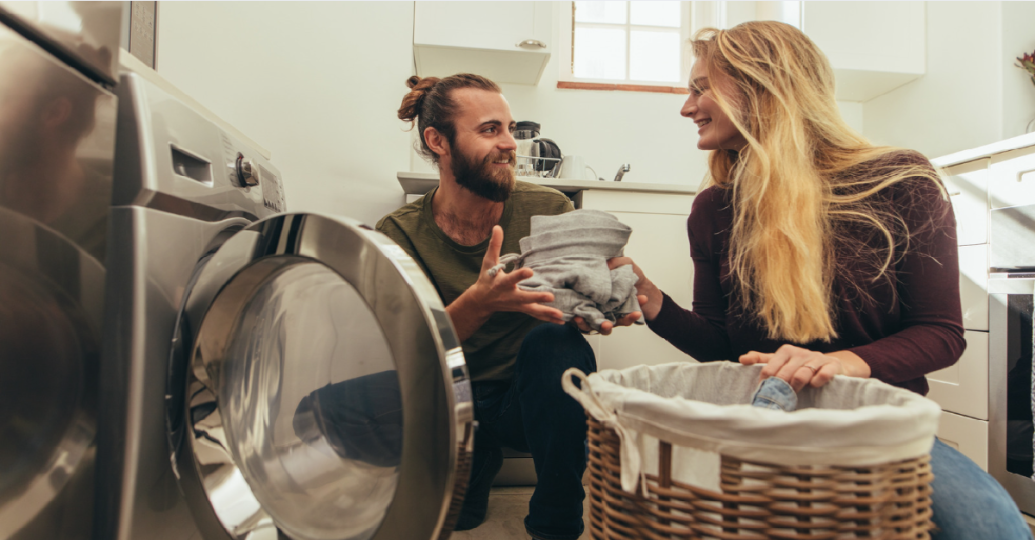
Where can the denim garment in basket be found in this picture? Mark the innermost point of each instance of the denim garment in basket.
(775, 393)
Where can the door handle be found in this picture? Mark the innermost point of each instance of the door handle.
(529, 43)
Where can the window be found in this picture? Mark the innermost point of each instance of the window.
(638, 43)
(644, 45)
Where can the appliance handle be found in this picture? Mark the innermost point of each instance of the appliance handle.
(530, 43)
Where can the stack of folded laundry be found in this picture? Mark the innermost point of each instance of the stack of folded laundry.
(569, 253)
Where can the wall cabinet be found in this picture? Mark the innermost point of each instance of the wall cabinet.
(963, 387)
(874, 47)
(974, 286)
(967, 185)
(508, 42)
(1014, 174)
(967, 435)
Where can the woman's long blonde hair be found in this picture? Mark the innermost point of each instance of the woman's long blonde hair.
(795, 187)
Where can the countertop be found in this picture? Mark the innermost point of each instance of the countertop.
(414, 183)
(988, 150)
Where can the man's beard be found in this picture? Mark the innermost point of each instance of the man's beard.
(485, 179)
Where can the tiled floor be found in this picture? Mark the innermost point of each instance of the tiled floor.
(506, 518)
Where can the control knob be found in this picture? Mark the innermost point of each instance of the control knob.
(246, 172)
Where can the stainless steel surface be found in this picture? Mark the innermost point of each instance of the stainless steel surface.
(621, 172)
(151, 124)
(166, 219)
(50, 320)
(154, 253)
(57, 138)
(531, 44)
(1000, 288)
(84, 34)
(230, 335)
(56, 146)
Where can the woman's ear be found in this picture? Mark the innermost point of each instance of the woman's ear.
(436, 141)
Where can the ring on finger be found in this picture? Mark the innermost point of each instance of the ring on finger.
(814, 369)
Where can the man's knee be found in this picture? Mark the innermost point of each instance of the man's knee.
(557, 347)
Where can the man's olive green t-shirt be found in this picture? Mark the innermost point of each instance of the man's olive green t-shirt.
(452, 268)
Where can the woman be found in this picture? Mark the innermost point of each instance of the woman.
(816, 253)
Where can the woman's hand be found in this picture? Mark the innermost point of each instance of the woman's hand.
(644, 288)
(606, 326)
(801, 367)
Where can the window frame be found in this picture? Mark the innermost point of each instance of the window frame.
(567, 79)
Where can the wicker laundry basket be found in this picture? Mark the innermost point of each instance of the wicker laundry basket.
(866, 476)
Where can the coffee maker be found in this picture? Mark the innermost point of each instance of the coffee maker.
(536, 156)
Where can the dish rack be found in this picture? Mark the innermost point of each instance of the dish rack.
(536, 167)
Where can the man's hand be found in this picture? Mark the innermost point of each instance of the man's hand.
(801, 367)
(606, 327)
(491, 294)
(645, 288)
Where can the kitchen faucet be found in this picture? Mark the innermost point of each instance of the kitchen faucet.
(621, 172)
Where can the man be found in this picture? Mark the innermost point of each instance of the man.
(456, 233)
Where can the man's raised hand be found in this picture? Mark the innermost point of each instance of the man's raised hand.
(501, 292)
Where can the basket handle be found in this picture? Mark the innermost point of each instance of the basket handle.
(632, 467)
(585, 395)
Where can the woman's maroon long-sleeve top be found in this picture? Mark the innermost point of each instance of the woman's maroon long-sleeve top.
(903, 331)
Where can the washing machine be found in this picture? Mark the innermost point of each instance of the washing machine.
(57, 141)
(266, 374)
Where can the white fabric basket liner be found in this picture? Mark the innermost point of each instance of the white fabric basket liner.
(706, 408)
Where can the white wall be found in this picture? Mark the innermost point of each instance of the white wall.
(1018, 100)
(316, 83)
(609, 128)
(971, 94)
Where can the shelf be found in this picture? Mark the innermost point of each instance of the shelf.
(414, 183)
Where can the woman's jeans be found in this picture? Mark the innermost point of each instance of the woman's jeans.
(968, 503)
(533, 414)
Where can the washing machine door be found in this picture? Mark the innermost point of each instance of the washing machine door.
(51, 306)
(323, 392)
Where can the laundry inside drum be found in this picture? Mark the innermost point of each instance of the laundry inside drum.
(312, 408)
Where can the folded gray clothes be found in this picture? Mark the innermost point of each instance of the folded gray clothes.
(569, 253)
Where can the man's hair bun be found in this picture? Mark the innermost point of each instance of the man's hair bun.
(412, 102)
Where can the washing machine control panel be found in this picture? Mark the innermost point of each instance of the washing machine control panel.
(247, 172)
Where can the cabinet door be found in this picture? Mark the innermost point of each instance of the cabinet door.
(660, 247)
(1012, 182)
(482, 25)
(967, 185)
(967, 435)
(974, 286)
(963, 387)
(874, 47)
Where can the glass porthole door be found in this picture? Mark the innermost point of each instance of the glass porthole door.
(318, 389)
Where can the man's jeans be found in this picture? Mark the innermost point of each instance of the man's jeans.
(533, 414)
